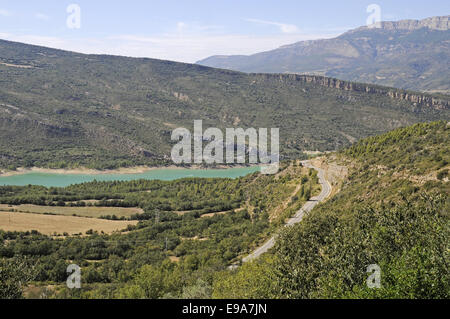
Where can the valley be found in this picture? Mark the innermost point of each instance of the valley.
(392, 181)
(381, 214)
(105, 112)
(151, 179)
(222, 219)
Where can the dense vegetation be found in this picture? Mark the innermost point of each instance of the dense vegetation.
(393, 211)
(60, 109)
(172, 251)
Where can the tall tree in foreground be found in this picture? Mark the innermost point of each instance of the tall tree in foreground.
(15, 273)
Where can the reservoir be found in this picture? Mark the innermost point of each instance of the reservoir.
(165, 174)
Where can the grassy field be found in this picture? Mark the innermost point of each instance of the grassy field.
(93, 212)
(51, 224)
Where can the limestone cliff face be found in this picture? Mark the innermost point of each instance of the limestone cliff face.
(433, 23)
(409, 54)
(418, 99)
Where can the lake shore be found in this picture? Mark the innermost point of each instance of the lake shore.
(119, 171)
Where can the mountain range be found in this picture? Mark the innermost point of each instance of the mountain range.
(64, 109)
(408, 54)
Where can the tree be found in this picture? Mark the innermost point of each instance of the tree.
(307, 193)
(15, 273)
(252, 280)
(201, 290)
(152, 282)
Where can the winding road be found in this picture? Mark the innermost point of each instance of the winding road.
(307, 207)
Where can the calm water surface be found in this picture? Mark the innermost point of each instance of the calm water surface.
(62, 180)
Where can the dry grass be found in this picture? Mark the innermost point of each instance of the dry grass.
(17, 65)
(174, 259)
(50, 224)
(275, 212)
(214, 214)
(94, 212)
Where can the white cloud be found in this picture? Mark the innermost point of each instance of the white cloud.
(52, 42)
(195, 43)
(192, 48)
(41, 16)
(5, 13)
(284, 27)
(185, 42)
(181, 26)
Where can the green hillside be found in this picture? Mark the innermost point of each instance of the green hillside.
(392, 211)
(61, 109)
(190, 229)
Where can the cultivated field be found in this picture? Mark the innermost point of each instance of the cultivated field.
(51, 224)
(94, 212)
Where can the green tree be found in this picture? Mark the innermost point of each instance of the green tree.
(255, 279)
(201, 290)
(15, 273)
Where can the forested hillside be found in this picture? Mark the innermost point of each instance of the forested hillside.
(189, 229)
(392, 211)
(61, 109)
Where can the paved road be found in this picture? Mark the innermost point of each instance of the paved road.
(307, 207)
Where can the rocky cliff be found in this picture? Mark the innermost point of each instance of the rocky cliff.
(408, 54)
(433, 23)
(417, 98)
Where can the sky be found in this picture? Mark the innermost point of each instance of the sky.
(190, 30)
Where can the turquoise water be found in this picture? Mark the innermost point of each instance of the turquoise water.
(62, 180)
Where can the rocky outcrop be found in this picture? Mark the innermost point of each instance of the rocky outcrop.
(433, 23)
(408, 54)
(418, 99)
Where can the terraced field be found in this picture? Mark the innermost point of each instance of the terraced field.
(93, 212)
(52, 224)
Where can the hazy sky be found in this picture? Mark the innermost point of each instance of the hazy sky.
(190, 30)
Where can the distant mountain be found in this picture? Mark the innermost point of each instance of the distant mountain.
(61, 108)
(408, 54)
